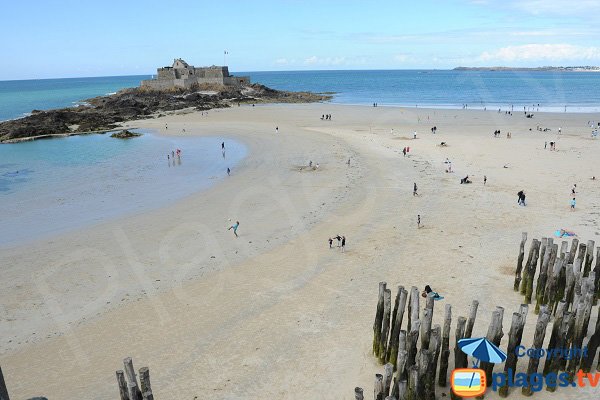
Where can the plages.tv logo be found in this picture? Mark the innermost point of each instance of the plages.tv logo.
(471, 382)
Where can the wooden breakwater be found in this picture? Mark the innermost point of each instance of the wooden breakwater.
(565, 291)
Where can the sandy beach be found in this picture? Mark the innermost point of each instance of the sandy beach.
(276, 313)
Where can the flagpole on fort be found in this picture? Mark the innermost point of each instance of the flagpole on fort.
(224, 54)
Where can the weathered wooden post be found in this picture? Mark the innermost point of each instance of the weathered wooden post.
(531, 268)
(402, 356)
(443, 374)
(514, 340)
(145, 386)
(388, 373)
(132, 385)
(385, 327)
(378, 320)
(413, 384)
(494, 335)
(435, 343)
(428, 374)
(402, 389)
(520, 262)
(584, 309)
(358, 393)
(538, 341)
(426, 327)
(571, 254)
(401, 298)
(413, 337)
(589, 256)
(525, 271)
(3, 388)
(561, 342)
(592, 347)
(413, 307)
(543, 278)
(122, 385)
(555, 334)
(460, 358)
(597, 275)
(471, 322)
(378, 387)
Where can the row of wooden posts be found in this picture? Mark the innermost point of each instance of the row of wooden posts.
(565, 293)
(129, 389)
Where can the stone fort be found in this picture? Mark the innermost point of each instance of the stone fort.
(183, 75)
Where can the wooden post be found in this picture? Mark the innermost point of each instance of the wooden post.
(543, 248)
(520, 262)
(532, 249)
(435, 343)
(584, 309)
(543, 278)
(571, 255)
(122, 385)
(554, 336)
(514, 340)
(413, 307)
(358, 393)
(131, 380)
(538, 341)
(494, 335)
(3, 388)
(402, 389)
(378, 388)
(597, 276)
(531, 268)
(388, 373)
(589, 256)
(561, 342)
(401, 298)
(413, 337)
(385, 327)
(426, 374)
(413, 384)
(460, 358)
(443, 374)
(472, 315)
(378, 320)
(145, 386)
(426, 327)
(551, 295)
(402, 356)
(592, 347)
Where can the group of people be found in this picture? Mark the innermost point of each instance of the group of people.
(174, 153)
(434, 129)
(326, 117)
(405, 151)
(573, 192)
(341, 242)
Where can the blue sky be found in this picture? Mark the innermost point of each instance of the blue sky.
(45, 39)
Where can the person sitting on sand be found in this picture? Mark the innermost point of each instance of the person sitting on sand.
(465, 180)
(429, 292)
(566, 233)
(443, 144)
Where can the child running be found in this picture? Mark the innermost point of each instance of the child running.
(235, 227)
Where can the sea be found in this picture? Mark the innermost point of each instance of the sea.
(53, 186)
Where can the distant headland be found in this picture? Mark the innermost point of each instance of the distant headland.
(585, 68)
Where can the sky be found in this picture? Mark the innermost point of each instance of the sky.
(57, 39)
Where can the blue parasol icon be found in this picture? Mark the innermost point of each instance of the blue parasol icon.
(482, 349)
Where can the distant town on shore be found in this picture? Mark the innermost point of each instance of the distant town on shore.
(586, 68)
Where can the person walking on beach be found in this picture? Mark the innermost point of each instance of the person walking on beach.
(418, 220)
(235, 228)
(276, 129)
(339, 239)
(228, 172)
(404, 151)
(343, 243)
(415, 189)
(223, 146)
(484, 180)
(573, 204)
(330, 242)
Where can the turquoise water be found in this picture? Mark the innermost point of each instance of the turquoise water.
(55, 185)
(17, 98)
(579, 91)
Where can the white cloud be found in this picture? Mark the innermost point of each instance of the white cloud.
(282, 61)
(559, 7)
(542, 52)
(325, 61)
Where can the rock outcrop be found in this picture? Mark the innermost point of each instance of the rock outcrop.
(104, 113)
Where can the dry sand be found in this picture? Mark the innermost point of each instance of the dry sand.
(275, 313)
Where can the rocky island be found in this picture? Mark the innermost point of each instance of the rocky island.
(178, 87)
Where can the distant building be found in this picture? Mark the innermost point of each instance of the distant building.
(183, 75)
